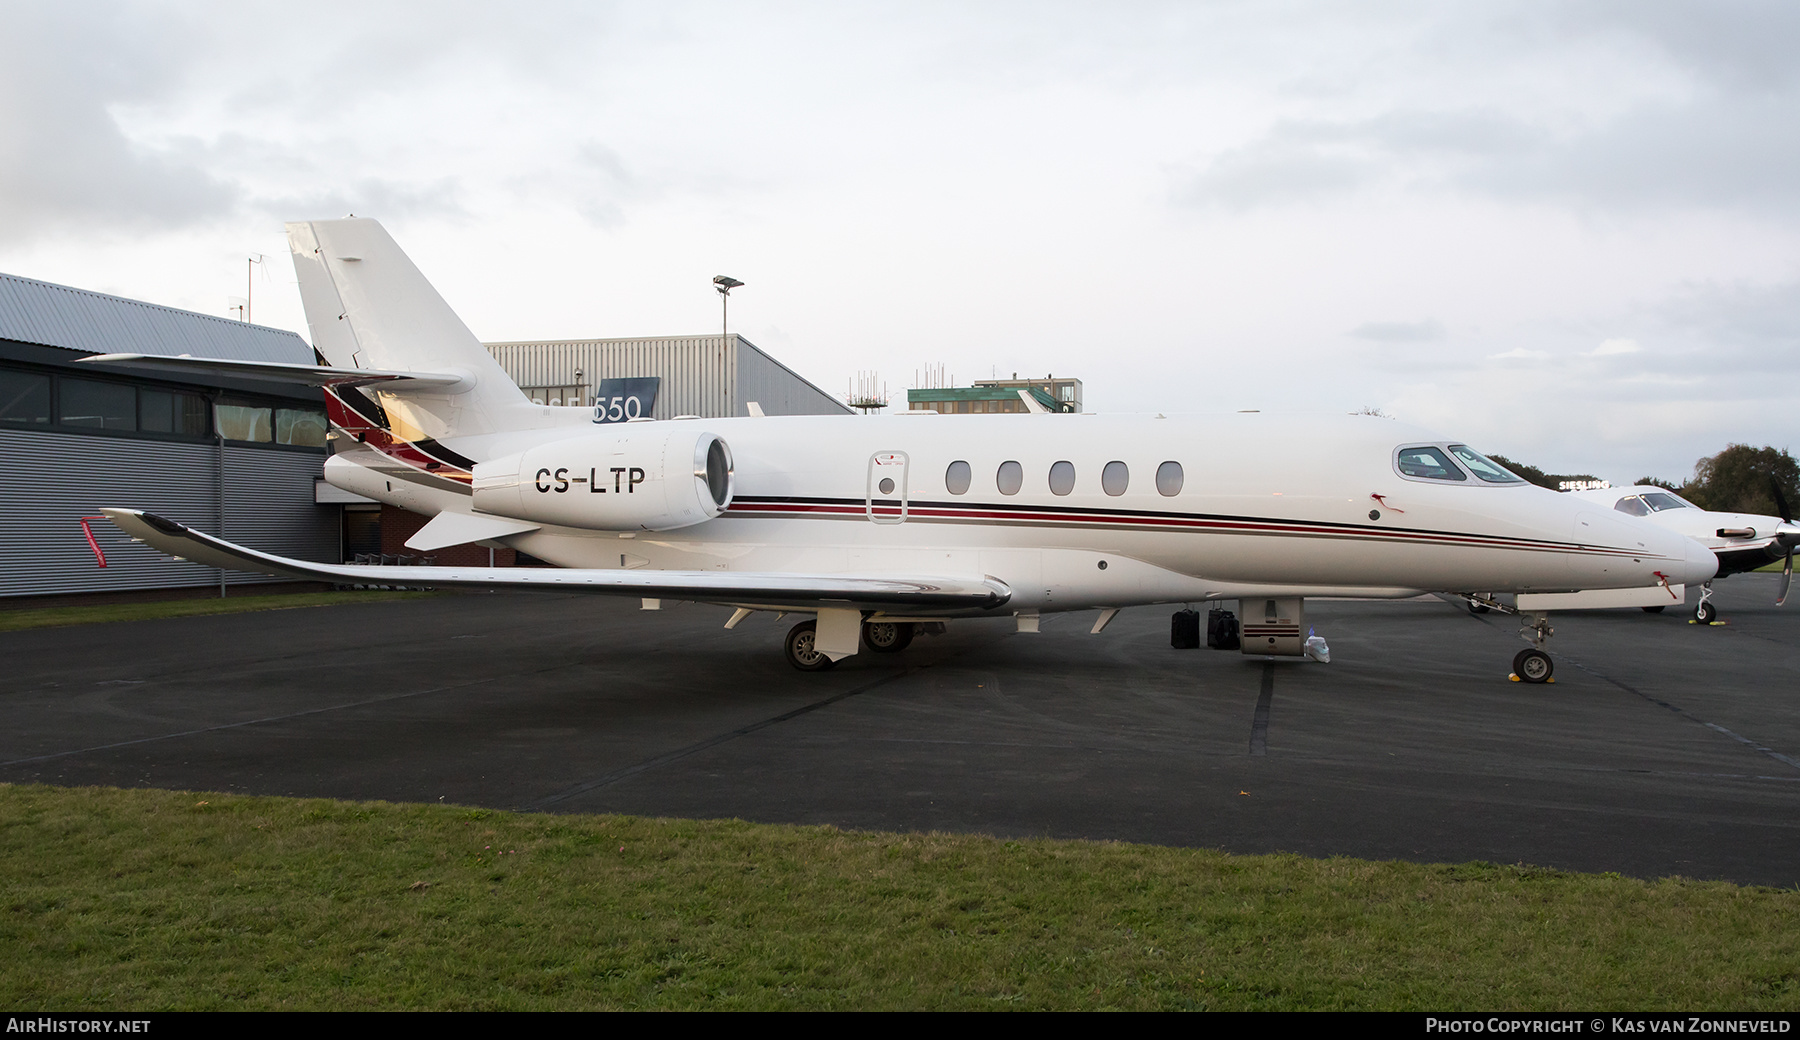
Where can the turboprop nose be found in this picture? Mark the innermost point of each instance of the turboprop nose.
(1699, 564)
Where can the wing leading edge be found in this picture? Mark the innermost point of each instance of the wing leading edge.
(791, 591)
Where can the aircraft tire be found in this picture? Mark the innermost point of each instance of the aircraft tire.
(1477, 608)
(1706, 613)
(1533, 666)
(801, 653)
(887, 637)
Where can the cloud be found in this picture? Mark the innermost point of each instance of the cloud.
(1718, 152)
(1520, 353)
(64, 158)
(1428, 331)
(391, 200)
(1615, 346)
(1750, 321)
(1607, 106)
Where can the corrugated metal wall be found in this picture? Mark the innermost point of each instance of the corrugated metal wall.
(75, 319)
(701, 375)
(778, 389)
(49, 480)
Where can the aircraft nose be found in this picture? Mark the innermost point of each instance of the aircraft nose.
(1699, 565)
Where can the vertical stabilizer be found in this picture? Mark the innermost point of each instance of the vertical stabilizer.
(369, 307)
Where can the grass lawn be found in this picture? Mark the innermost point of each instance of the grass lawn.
(147, 900)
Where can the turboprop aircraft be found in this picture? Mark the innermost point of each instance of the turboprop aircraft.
(872, 526)
(1741, 541)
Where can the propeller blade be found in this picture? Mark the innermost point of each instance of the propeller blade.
(1781, 504)
(1787, 577)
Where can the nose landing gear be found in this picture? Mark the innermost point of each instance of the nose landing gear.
(1704, 612)
(1531, 665)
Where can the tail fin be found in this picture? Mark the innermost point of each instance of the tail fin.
(370, 308)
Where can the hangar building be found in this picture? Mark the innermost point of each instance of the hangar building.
(244, 459)
(236, 458)
(709, 376)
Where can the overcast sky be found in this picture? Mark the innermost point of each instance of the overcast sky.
(1565, 232)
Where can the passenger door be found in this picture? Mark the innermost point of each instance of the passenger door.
(884, 498)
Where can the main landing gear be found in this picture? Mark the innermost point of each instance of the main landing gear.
(887, 637)
(1531, 665)
(802, 652)
(882, 637)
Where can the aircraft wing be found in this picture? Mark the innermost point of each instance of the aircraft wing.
(280, 372)
(790, 591)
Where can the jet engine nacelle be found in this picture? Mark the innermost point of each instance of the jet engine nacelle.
(630, 477)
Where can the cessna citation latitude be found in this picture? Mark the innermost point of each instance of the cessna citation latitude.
(872, 526)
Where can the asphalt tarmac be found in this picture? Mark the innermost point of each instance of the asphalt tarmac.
(1663, 747)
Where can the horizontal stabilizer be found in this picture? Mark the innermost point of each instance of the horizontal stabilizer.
(448, 528)
(277, 372)
(790, 591)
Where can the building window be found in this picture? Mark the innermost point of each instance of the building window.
(244, 422)
(302, 426)
(1010, 478)
(101, 406)
(1115, 478)
(164, 411)
(24, 400)
(956, 478)
(1168, 479)
(1062, 478)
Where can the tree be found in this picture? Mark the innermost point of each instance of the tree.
(1737, 480)
(1538, 476)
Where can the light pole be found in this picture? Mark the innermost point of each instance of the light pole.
(725, 283)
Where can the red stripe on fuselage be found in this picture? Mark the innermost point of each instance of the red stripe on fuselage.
(1079, 518)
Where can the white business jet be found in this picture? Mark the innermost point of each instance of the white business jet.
(872, 526)
(1741, 541)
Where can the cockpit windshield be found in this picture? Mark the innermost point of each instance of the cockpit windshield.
(1485, 468)
(1426, 463)
(1661, 500)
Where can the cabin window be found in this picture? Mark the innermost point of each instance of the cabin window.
(1427, 463)
(1062, 478)
(1168, 479)
(1010, 478)
(956, 478)
(1633, 505)
(1485, 468)
(1115, 478)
